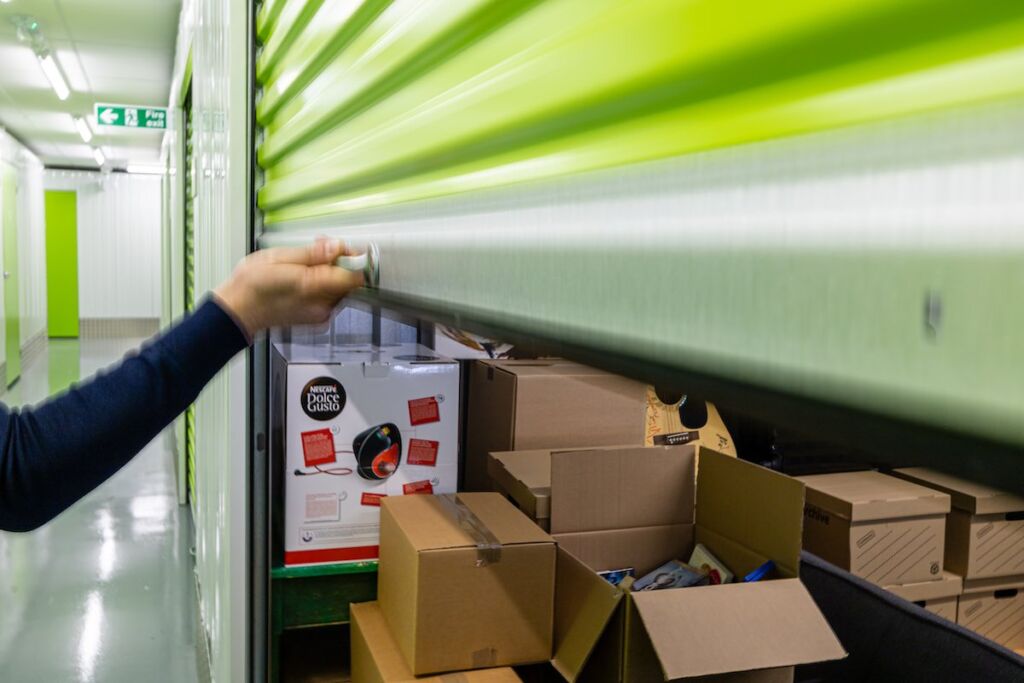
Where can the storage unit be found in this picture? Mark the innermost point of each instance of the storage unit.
(881, 528)
(508, 158)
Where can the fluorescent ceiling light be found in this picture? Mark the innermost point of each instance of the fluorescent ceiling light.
(97, 154)
(55, 77)
(143, 168)
(83, 129)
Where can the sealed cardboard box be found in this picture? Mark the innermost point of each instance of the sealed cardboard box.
(938, 597)
(994, 608)
(757, 632)
(531, 404)
(984, 531)
(611, 500)
(465, 582)
(353, 425)
(883, 529)
(376, 659)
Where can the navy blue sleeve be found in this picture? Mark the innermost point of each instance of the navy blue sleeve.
(55, 453)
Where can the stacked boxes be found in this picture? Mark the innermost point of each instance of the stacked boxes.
(984, 544)
(352, 426)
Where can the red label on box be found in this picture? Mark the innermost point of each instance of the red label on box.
(318, 447)
(372, 499)
(422, 452)
(424, 411)
(418, 487)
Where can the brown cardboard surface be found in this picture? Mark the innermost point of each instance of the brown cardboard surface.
(644, 548)
(427, 523)
(966, 495)
(994, 608)
(762, 625)
(943, 607)
(447, 609)
(525, 405)
(864, 496)
(584, 605)
(752, 507)
(376, 657)
(950, 585)
(621, 488)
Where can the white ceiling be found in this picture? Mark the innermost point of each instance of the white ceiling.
(116, 51)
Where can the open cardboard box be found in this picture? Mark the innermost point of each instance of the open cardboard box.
(753, 632)
(587, 498)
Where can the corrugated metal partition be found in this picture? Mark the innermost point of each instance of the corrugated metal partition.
(791, 195)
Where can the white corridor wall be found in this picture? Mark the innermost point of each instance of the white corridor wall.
(119, 242)
(31, 240)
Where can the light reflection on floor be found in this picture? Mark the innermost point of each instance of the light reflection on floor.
(104, 592)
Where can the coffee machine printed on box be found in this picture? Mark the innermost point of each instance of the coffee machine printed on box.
(361, 424)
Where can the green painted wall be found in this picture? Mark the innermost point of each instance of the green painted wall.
(61, 264)
(12, 312)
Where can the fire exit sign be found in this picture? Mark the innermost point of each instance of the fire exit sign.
(128, 116)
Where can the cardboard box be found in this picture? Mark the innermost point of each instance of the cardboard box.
(754, 632)
(376, 659)
(883, 529)
(465, 582)
(603, 498)
(994, 608)
(353, 425)
(938, 597)
(531, 404)
(984, 531)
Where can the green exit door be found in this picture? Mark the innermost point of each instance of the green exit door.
(12, 313)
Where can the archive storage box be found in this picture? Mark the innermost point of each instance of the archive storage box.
(376, 658)
(883, 529)
(352, 426)
(994, 608)
(530, 404)
(465, 582)
(754, 632)
(985, 529)
(938, 597)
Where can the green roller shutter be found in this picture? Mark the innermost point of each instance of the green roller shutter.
(190, 295)
(377, 102)
(508, 155)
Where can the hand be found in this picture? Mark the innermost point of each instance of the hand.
(287, 286)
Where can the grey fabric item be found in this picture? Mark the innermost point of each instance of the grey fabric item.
(890, 639)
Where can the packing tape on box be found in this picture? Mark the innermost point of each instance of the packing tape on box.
(488, 547)
(487, 657)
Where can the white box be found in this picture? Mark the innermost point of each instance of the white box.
(359, 423)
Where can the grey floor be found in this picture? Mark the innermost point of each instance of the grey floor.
(105, 591)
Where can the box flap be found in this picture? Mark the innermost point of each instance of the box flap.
(735, 627)
(977, 499)
(621, 488)
(754, 508)
(584, 604)
(429, 524)
(863, 496)
(946, 587)
(526, 476)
